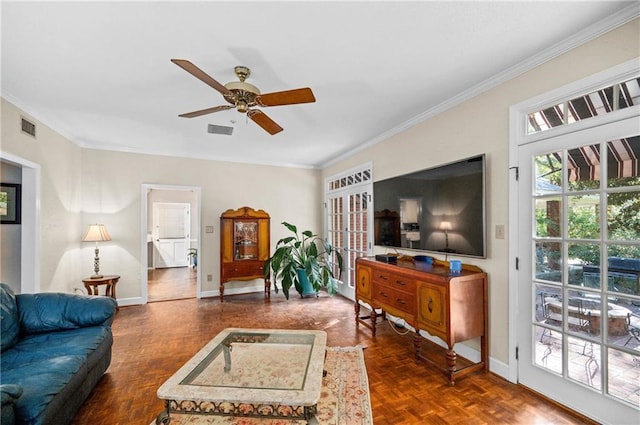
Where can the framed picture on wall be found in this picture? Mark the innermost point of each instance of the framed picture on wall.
(10, 202)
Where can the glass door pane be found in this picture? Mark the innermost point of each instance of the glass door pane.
(585, 279)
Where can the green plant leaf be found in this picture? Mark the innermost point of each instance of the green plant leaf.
(291, 227)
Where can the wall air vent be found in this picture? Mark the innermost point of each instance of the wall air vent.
(28, 127)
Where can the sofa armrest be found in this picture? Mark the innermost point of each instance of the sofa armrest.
(9, 393)
(48, 311)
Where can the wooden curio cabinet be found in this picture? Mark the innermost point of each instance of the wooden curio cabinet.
(244, 246)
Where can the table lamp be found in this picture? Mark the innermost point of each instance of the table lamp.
(446, 226)
(96, 233)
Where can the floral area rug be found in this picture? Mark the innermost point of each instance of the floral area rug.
(344, 399)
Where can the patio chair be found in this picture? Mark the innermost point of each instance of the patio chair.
(632, 327)
(581, 320)
(548, 316)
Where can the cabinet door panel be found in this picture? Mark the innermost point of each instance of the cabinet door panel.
(432, 306)
(363, 283)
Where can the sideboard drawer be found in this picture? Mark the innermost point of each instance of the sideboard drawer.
(390, 297)
(395, 281)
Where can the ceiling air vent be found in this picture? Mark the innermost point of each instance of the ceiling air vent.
(220, 129)
(28, 127)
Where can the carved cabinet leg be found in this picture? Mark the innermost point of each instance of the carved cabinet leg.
(416, 344)
(356, 308)
(373, 316)
(451, 366)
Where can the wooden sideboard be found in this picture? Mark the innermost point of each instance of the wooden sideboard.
(244, 247)
(452, 307)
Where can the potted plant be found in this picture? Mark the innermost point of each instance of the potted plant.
(302, 261)
(192, 254)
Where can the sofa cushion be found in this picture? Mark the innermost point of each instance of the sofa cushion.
(41, 381)
(38, 347)
(9, 319)
(46, 312)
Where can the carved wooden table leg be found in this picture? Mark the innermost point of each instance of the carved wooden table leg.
(373, 316)
(356, 308)
(221, 291)
(451, 366)
(416, 344)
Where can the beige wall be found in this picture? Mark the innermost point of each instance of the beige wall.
(111, 194)
(82, 186)
(60, 203)
(481, 125)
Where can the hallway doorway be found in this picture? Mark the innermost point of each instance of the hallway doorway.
(164, 280)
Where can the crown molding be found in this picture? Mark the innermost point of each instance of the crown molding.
(604, 26)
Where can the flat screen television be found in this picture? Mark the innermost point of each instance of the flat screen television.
(440, 209)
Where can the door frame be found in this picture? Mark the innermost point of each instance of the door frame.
(144, 257)
(30, 225)
(347, 288)
(519, 140)
(518, 137)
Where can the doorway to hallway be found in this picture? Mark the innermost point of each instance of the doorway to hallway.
(171, 283)
(169, 272)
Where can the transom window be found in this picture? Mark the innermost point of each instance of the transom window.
(600, 102)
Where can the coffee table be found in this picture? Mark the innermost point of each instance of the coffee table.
(266, 373)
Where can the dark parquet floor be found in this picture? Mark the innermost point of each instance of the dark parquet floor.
(152, 341)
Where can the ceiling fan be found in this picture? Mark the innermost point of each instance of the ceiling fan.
(244, 97)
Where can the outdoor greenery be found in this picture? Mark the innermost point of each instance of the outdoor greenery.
(583, 215)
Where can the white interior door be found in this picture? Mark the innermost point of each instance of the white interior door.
(171, 239)
(574, 306)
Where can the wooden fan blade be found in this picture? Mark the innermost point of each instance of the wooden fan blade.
(201, 75)
(260, 118)
(206, 111)
(287, 97)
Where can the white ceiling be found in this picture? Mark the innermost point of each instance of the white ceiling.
(100, 72)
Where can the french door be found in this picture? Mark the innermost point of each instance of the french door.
(578, 251)
(349, 222)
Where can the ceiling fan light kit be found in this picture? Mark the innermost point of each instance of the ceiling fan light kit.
(244, 96)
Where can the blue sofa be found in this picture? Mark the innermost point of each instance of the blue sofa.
(55, 348)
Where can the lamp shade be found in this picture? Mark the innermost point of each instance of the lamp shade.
(96, 233)
(445, 225)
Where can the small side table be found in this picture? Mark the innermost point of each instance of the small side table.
(110, 282)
